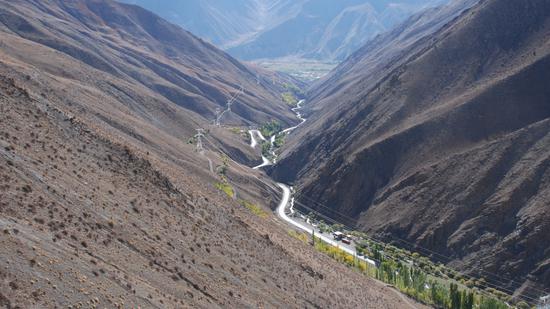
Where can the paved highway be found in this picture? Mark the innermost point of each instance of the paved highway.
(299, 115)
(287, 201)
(253, 134)
(303, 225)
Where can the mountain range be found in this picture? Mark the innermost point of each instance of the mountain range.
(126, 147)
(109, 199)
(435, 136)
(325, 30)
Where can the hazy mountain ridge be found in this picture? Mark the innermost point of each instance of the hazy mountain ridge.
(225, 23)
(445, 144)
(330, 33)
(320, 29)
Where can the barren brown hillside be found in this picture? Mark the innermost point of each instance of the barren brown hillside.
(133, 66)
(446, 146)
(86, 221)
(104, 203)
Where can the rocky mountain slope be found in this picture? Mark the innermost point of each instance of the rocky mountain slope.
(315, 29)
(104, 203)
(382, 53)
(445, 144)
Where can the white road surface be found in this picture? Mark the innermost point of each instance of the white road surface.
(265, 162)
(287, 201)
(281, 212)
(299, 115)
(253, 134)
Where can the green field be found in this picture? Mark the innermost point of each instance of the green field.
(304, 69)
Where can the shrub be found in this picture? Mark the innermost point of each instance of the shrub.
(271, 128)
(289, 99)
(300, 236)
(226, 188)
(255, 209)
(522, 305)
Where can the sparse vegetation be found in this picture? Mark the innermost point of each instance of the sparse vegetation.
(268, 130)
(255, 209)
(407, 272)
(266, 149)
(295, 90)
(279, 141)
(222, 169)
(192, 140)
(271, 128)
(235, 130)
(289, 99)
(225, 188)
(300, 236)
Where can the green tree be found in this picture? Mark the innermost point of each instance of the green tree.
(439, 294)
(467, 300)
(455, 296)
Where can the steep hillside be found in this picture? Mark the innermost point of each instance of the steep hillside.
(156, 71)
(315, 29)
(445, 145)
(86, 220)
(104, 201)
(140, 48)
(382, 54)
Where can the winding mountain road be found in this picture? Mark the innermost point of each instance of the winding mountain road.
(287, 201)
(256, 133)
(299, 115)
(253, 134)
(308, 228)
(265, 162)
(254, 142)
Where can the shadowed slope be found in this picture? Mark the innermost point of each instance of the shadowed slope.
(447, 145)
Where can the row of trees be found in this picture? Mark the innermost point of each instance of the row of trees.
(416, 275)
(417, 283)
(409, 278)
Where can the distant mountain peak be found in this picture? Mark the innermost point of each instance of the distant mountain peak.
(263, 29)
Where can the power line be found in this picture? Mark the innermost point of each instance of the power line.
(381, 242)
(275, 191)
(230, 102)
(431, 252)
(441, 257)
(483, 292)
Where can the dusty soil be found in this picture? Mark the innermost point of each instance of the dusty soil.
(103, 203)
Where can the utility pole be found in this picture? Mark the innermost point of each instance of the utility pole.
(230, 102)
(198, 136)
(218, 116)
